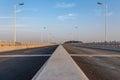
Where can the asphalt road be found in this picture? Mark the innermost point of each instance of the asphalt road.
(97, 64)
(23, 68)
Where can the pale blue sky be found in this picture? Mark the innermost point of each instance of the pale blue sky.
(60, 17)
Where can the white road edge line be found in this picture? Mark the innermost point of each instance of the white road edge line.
(24, 55)
(94, 55)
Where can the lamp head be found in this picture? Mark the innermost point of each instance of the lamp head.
(21, 4)
(99, 3)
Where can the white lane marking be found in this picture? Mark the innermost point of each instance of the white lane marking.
(25, 55)
(94, 55)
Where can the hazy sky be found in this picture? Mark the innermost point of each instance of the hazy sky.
(59, 20)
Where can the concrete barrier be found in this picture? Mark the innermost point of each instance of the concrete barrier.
(60, 66)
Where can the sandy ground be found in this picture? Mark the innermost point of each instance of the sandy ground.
(11, 48)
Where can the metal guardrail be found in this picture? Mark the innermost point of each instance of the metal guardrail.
(103, 47)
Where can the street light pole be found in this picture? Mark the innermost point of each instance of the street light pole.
(106, 9)
(48, 38)
(77, 33)
(15, 23)
(15, 7)
(47, 35)
(106, 14)
(41, 37)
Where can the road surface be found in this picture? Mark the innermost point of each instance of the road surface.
(15, 65)
(96, 64)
